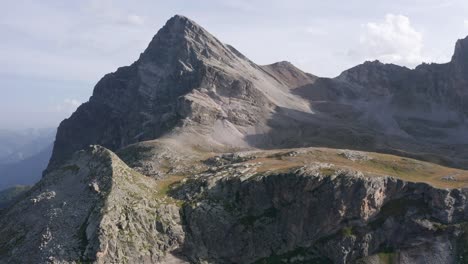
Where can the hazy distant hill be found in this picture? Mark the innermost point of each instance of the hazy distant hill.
(18, 145)
(24, 155)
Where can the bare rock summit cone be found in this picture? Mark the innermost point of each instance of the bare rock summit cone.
(460, 57)
(185, 82)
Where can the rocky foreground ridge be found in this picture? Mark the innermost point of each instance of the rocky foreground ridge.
(195, 154)
(88, 209)
(237, 208)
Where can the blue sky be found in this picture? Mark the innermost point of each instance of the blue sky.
(53, 52)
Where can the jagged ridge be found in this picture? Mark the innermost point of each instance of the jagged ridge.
(189, 86)
(186, 78)
(93, 208)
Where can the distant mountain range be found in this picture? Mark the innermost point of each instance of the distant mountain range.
(19, 144)
(24, 154)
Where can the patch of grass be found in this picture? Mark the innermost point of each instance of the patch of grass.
(268, 164)
(378, 165)
(73, 168)
(347, 231)
(441, 227)
(327, 171)
(390, 167)
(166, 186)
(388, 257)
(297, 256)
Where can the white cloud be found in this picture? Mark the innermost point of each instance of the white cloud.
(465, 23)
(107, 12)
(394, 40)
(67, 106)
(135, 20)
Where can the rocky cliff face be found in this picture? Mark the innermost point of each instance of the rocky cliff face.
(251, 207)
(340, 218)
(459, 63)
(93, 208)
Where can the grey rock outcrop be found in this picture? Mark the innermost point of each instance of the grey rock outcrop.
(92, 209)
(341, 218)
(95, 209)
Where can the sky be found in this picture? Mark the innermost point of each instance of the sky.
(53, 52)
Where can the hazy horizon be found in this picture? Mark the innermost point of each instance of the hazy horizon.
(55, 52)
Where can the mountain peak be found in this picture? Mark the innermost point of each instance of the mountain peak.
(179, 17)
(179, 24)
(292, 76)
(183, 39)
(460, 56)
(461, 47)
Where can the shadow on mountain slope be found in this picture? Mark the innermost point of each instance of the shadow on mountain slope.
(272, 218)
(337, 125)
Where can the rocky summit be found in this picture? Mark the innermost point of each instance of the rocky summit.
(195, 154)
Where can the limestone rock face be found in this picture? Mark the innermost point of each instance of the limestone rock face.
(238, 208)
(341, 218)
(459, 60)
(394, 109)
(189, 85)
(92, 209)
(186, 78)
